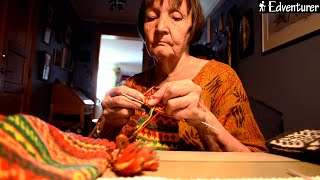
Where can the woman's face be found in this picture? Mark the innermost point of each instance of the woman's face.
(166, 29)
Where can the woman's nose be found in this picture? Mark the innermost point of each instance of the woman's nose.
(162, 25)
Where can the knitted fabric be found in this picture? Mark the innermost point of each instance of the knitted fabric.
(32, 149)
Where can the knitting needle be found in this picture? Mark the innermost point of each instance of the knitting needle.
(149, 90)
(209, 125)
(132, 98)
(144, 124)
(136, 100)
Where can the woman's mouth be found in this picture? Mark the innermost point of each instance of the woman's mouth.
(162, 43)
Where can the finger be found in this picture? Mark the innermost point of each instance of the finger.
(114, 98)
(183, 102)
(118, 117)
(157, 97)
(164, 93)
(187, 114)
(117, 122)
(194, 114)
(119, 113)
(175, 104)
(180, 114)
(126, 90)
(119, 102)
(174, 89)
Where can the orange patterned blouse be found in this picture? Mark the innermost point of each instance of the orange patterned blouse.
(224, 96)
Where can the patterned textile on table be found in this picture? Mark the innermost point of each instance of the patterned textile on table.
(224, 96)
(32, 149)
(303, 144)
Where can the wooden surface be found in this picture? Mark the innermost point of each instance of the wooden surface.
(66, 101)
(190, 165)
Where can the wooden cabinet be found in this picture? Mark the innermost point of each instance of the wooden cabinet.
(17, 41)
(67, 102)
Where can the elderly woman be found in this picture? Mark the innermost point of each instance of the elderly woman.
(206, 107)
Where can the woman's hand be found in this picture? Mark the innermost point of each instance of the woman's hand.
(182, 101)
(117, 108)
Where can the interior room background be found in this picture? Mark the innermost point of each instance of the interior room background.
(286, 79)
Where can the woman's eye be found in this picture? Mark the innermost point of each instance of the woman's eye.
(150, 18)
(177, 18)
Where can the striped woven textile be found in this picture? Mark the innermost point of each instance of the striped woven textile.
(32, 149)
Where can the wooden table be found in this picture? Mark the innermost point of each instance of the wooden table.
(191, 165)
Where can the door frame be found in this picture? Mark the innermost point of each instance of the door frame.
(33, 32)
(95, 65)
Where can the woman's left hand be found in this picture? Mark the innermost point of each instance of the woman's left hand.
(182, 100)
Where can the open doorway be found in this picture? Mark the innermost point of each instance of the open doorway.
(119, 58)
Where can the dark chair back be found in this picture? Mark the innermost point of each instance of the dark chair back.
(268, 118)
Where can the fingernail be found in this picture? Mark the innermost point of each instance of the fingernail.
(151, 101)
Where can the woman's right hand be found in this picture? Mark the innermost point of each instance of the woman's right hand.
(117, 109)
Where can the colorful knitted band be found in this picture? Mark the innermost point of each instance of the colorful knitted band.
(32, 149)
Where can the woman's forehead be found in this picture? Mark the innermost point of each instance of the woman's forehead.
(174, 3)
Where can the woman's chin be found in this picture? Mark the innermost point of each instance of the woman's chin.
(162, 54)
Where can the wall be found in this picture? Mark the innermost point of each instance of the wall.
(41, 89)
(287, 79)
(83, 50)
(210, 5)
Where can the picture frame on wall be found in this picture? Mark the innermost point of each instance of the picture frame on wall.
(230, 33)
(68, 35)
(219, 38)
(46, 66)
(67, 63)
(283, 30)
(57, 57)
(50, 14)
(47, 35)
(246, 34)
